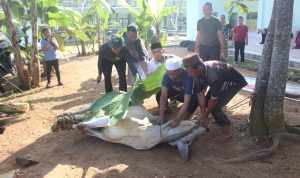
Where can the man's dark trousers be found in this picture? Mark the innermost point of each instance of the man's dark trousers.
(49, 65)
(223, 99)
(210, 52)
(121, 69)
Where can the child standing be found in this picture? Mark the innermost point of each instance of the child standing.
(240, 38)
(49, 47)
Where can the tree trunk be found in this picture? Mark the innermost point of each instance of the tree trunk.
(23, 74)
(77, 46)
(35, 62)
(257, 125)
(83, 48)
(267, 116)
(273, 110)
(98, 31)
(157, 29)
(26, 40)
(103, 36)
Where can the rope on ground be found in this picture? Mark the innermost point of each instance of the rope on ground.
(24, 92)
(12, 84)
(239, 104)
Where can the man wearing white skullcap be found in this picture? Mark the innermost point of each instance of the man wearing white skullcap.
(177, 85)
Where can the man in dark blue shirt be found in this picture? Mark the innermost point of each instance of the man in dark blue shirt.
(114, 53)
(176, 85)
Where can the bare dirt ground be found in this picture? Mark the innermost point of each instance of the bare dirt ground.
(70, 154)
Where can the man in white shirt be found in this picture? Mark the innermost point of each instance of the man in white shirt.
(158, 57)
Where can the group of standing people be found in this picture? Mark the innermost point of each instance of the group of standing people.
(130, 50)
(213, 35)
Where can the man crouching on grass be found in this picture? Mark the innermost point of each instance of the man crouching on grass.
(224, 83)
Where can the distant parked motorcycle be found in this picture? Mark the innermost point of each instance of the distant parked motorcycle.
(6, 62)
(7, 65)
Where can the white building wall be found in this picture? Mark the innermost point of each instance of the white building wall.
(296, 16)
(193, 14)
(265, 8)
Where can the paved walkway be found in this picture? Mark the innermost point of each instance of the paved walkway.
(253, 50)
(291, 92)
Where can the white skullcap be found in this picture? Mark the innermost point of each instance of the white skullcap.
(173, 63)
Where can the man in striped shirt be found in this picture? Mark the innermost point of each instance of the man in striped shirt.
(224, 83)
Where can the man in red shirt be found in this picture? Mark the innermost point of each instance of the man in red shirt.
(240, 38)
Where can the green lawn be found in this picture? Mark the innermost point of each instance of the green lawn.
(293, 75)
(249, 65)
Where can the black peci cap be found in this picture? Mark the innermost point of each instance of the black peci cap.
(116, 42)
(192, 60)
(156, 45)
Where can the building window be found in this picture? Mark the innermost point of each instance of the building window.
(252, 15)
(113, 3)
(133, 3)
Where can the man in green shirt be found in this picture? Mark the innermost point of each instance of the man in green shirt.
(210, 38)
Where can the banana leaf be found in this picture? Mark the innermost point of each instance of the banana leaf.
(103, 100)
(50, 3)
(113, 104)
(121, 107)
(102, 106)
(149, 86)
(156, 7)
(129, 7)
(155, 79)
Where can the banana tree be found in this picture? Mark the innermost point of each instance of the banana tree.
(44, 6)
(21, 13)
(25, 15)
(101, 11)
(71, 23)
(79, 25)
(149, 17)
(23, 72)
(159, 11)
(238, 4)
(35, 61)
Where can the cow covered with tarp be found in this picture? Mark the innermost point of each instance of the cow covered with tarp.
(120, 117)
